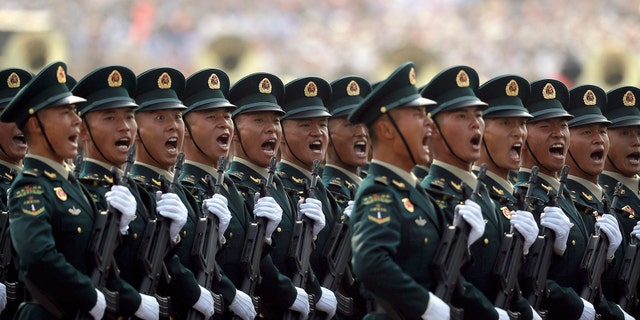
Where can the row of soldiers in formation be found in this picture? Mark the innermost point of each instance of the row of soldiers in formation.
(181, 232)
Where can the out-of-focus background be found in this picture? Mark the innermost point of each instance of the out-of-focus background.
(576, 41)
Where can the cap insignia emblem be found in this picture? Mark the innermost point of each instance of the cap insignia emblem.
(265, 86)
(589, 98)
(512, 88)
(353, 89)
(549, 92)
(62, 77)
(214, 82)
(462, 79)
(310, 90)
(412, 76)
(13, 81)
(164, 81)
(115, 79)
(629, 99)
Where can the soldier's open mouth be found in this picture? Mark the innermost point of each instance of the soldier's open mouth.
(269, 145)
(171, 144)
(316, 146)
(634, 157)
(123, 143)
(557, 149)
(19, 139)
(360, 147)
(597, 155)
(223, 140)
(475, 141)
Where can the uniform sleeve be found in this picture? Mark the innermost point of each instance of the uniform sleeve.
(563, 302)
(183, 288)
(129, 298)
(275, 290)
(376, 232)
(32, 237)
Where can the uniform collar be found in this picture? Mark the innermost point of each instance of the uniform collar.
(351, 176)
(629, 182)
(409, 177)
(552, 181)
(302, 170)
(165, 173)
(62, 170)
(468, 177)
(208, 169)
(592, 187)
(505, 184)
(104, 165)
(264, 172)
(11, 166)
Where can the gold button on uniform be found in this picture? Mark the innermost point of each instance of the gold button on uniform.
(135, 236)
(279, 229)
(573, 242)
(230, 235)
(79, 230)
(426, 240)
(486, 240)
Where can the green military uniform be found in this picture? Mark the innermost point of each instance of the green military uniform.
(159, 89)
(395, 226)
(16, 79)
(278, 291)
(420, 172)
(48, 202)
(548, 100)
(454, 89)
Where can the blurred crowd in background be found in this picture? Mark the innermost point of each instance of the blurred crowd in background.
(577, 41)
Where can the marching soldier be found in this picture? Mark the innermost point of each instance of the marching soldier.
(456, 143)
(395, 226)
(158, 142)
(208, 137)
(256, 140)
(108, 131)
(546, 147)
(587, 153)
(13, 148)
(52, 215)
(348, 143)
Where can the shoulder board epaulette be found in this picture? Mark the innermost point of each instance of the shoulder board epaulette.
(34, 173)
(437, 183)
(336, 181)
(236, 175)
(382, 180)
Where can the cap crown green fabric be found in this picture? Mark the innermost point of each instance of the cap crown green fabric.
(585, 104)
(106, 88)
(622, 107)
(257, 92)
(306, 98)
(47, 89)
(453, 88)
(15, 80)
(396, 91)
(346, 94)
(159, 89)
(206, 89)
(504, 95)
(548, 100)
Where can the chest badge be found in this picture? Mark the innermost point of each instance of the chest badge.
(420, 221)
(407, 204)
(60, 193)
(74, 211)
(506, 212)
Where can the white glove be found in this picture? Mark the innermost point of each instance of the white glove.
(347, 210)
(312, 209)
(608, 224)
(524, 222)
(149, 308)
(301, 304)
(268, 208)
(121, 199)
(3, 296)
(625, 314)
(97, 312)
(502, 315)
(472, 214)
(536, 315)
(219, 206)
(436, 309)
(171, 207)
(242, 306)
(204, 304)
(636, 231)
(588, 312)
(327, 303)
(555, 219)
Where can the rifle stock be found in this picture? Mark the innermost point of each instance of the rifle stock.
(453, 253)
(302, 243)
(629, 274)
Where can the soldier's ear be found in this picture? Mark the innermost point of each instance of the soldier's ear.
(32, 126)
(384, 129)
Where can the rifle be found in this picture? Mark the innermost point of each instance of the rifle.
(104, 241)
(155, 246)
(254, 242)
(205, 245)
(77, 164)
(510, 257)
(302, 243)
(453, 253)
(594, 261)
(9, 265)
(336, 257)
(539, 260)
(629, 273)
